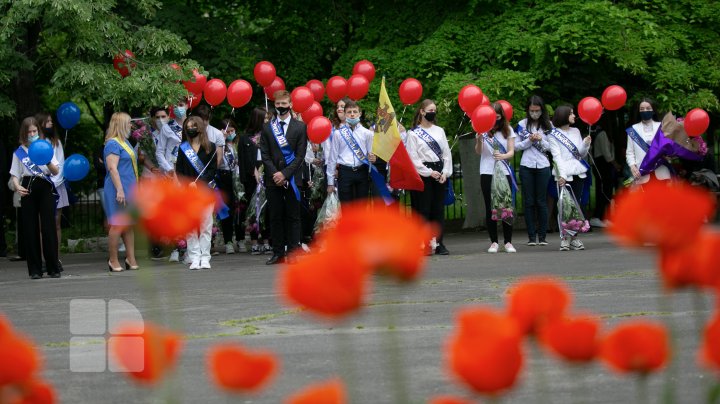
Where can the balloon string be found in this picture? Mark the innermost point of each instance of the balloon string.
(65, 142)
(266, 104)
(232, 113)
(457, 134)
(402, 116)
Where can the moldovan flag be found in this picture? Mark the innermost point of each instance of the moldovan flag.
(388, 145)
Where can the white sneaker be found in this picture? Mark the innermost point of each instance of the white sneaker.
(493, 248)
(174, 256)
(256, 250)
(576, 244)
(531, 243)
(186, 259)
(205, 264)
(564, 245)
(267, 249)
(121, 247)
(542, 243)
(595, 222)
(241, 247)
(195, 265)
(509, 248)
(229, 249)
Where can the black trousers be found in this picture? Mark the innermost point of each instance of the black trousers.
(20, 233)
(3, 242)
(604, 186)
(232, 223)
(430, 203)
(352, 183)
(285, 225)
(38, 216)
(308, 215)
(485, 182)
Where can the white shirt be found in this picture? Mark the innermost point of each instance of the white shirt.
(59, 155)
(167, 146)
(566, 165)
(341, 154)
(420, 152)
(216, 136)
(531, 156)
(18, 169)
(602, 147)
(634, 154)
(487, 161)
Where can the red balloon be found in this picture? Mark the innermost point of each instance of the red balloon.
(696, 122)
(315, 110)
(317, 88)
(239, 93)
(122, 63)
(276, 85)
(507, 109)
(365, 68)
(302, 99)
(197, 84)
(590, 110)
(483, 118)
(410, 91)
(469, 98)
(318, 130)
(193, 100)
(485, 100)
(357, 86)
(215, 92)
(264, 73)
(613, 98)
(336, 88)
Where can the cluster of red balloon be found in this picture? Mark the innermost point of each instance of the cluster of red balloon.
(122, 62)
(476, 105)
(590, 109)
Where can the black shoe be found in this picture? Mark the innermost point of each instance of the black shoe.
(44, 268)
(16, 258)
(35, 276)
(275, 259)
(60, 267)
(441, 250)
(55, 275)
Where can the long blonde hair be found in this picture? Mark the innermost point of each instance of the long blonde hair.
(119, 127)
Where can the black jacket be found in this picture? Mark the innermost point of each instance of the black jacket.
(184, 168)
(272, 157)
(247, 157)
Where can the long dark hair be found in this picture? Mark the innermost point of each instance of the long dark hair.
(544, 120)
(202, 132)
(562, 115)
(418, 116)
(42, 118)
(636, 110)
(335, 118)
(503, 126)
(256, 121)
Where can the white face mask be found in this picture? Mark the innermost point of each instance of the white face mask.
(160, 122)
(535, 115)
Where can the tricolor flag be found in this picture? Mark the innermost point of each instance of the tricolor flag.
(388, 145)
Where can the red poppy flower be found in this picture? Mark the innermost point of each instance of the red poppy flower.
(328, 392)
(694, 265)
(330, 283)
(449, 400)
(638, 346)
(19, 359)
(485, 352)
(5, 326)
(574, 339)
(146, 351)
(236, 369)
(710, 350)
(37, 392)
(667, 213)
(170, 210)
(536, 301)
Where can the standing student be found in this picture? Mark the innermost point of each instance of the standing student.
(496, 145)
(640, 135)
(568, 149)
(532, 134)
(214, 134)
(350, 152)
(429, 150)
(197, 159)
(606, 170)
(283, 144)
(120, 181)
(38, 201)
(226, 170)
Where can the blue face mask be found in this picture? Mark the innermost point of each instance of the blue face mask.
(33, 138)
(231, 136)
(180, 112)
(352, 121)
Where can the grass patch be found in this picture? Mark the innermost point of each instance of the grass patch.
(257, 319)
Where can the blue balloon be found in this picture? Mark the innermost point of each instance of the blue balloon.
(40, 152)
(68, 115)
(76, 167)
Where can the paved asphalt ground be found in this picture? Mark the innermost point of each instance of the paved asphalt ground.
(237, 301)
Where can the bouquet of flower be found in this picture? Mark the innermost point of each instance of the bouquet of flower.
(238, 186)
(501, 202)
(256, 207)
(328, 213)
(146, 144)
(570, 217)
(318, 189)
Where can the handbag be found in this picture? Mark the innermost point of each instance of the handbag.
(449, 194)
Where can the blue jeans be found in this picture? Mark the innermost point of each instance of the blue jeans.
(534, 192)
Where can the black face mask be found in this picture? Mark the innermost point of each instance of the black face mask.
(430, 116)
(191, 133)
(282, 110)
(646, 115)
(49, 132)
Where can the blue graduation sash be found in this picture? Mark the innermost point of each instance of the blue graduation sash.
(35, 170)
(632, 134)
(524, 134)
(576, 153)
(177, 130)
(377, 178)
(495, 143)
(435, 147)
(222, 209)
(287, 151)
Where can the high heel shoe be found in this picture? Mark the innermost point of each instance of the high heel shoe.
(129, 267)
(111, 269)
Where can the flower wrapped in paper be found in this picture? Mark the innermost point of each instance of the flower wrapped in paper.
(671, 141)
(328, 213)
(501, 198)
(146, 144)
(256, 208)
(318, 187)
(570, 218)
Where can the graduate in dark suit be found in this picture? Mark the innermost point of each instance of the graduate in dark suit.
(283, 144)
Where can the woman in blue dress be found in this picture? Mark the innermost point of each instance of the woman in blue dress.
(120, 180)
